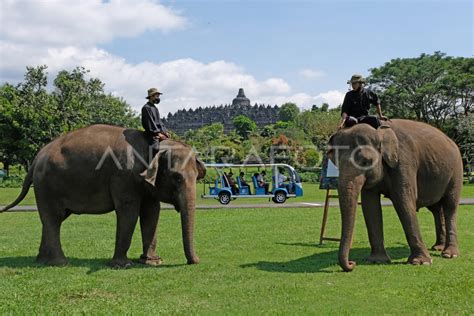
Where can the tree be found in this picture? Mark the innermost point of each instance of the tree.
(431, 88)
(465, 139)
(33, 114)
(83, 102)
(288, 112)
(72, 97)
(324, 107)
(311, 157)
(30, 116)
(10, 134)
(244, 126)
(108, 109)
(319, 126)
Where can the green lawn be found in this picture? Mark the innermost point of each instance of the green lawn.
(312, 193)
(252, 261)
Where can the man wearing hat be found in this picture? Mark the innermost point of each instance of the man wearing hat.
(151, 122)
(356, 105)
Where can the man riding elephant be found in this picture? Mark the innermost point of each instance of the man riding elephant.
(151, 122)
(356, 105)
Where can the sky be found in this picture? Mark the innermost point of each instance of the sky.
(199, 53)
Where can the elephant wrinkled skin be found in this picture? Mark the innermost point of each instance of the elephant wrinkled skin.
(413, 164)
(102, 168)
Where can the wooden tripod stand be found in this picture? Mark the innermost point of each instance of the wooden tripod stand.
(325, 218)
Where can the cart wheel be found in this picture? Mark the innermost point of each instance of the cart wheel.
(280, 197)
(224, 198)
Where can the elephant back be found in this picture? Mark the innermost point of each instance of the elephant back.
(92, 152)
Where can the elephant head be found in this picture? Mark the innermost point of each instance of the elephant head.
(362, 155)
(173, 172)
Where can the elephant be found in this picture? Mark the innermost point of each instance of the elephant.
(101, 168)
(413, 164)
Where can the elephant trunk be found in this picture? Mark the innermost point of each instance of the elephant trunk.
(187, 212)
(349, 189)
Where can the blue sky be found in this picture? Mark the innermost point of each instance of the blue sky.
(200, 52)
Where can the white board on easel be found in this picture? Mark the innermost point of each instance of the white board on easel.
(332, 171)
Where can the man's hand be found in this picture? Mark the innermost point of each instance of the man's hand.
(341, 125)
(383, 118)
(160, 136)
(343, 120)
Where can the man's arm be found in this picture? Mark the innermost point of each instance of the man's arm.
(379, 112)
(344, 110)
(162, 129)
(376, 101)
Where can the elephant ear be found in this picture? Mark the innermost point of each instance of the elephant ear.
(201, 168)
(150, 173)
(389, 146)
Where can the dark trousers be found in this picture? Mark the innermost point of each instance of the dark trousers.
(369, 119)
(153, 144)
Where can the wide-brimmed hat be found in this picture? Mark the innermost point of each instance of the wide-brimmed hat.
(356, 78)
(152, 91)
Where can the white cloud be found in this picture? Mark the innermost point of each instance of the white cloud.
(311, 74)
(185, 82)
(59, 22)
(63, 34)
(333, 97)
(305, 101)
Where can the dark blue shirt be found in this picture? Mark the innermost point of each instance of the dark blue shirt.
(151, 121)
(357, 103)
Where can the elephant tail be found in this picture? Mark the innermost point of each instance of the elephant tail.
(26, 187)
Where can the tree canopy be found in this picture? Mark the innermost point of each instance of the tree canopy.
(31, 116)
(288, 112)
(244, 126)
(430, 88)
(436, 89)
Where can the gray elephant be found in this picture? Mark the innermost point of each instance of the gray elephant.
(413, 164)
(102, 168)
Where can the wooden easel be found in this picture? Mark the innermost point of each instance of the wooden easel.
(325, 218)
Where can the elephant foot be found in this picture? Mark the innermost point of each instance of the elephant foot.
(381, 258)
(193, 260)
(450, 252)
(420, 260)
(438, 247)
(54, 261)
(120, 263)
(151, 261)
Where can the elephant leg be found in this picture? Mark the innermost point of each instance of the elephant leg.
(50, 251)
(373, 220)
(149, 217)
(438, 215)
(127, 217)
(406, 211)
(451, 249)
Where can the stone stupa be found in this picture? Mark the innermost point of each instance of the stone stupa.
(241, 99)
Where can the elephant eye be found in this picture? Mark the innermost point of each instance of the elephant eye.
(364, 161)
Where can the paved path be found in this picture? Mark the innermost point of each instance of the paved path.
(217, 205)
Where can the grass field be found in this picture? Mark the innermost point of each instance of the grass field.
(252, 261)
(312, 193)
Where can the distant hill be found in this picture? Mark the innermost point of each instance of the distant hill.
(184, 120)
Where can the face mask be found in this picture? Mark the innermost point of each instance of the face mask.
(157, 100)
